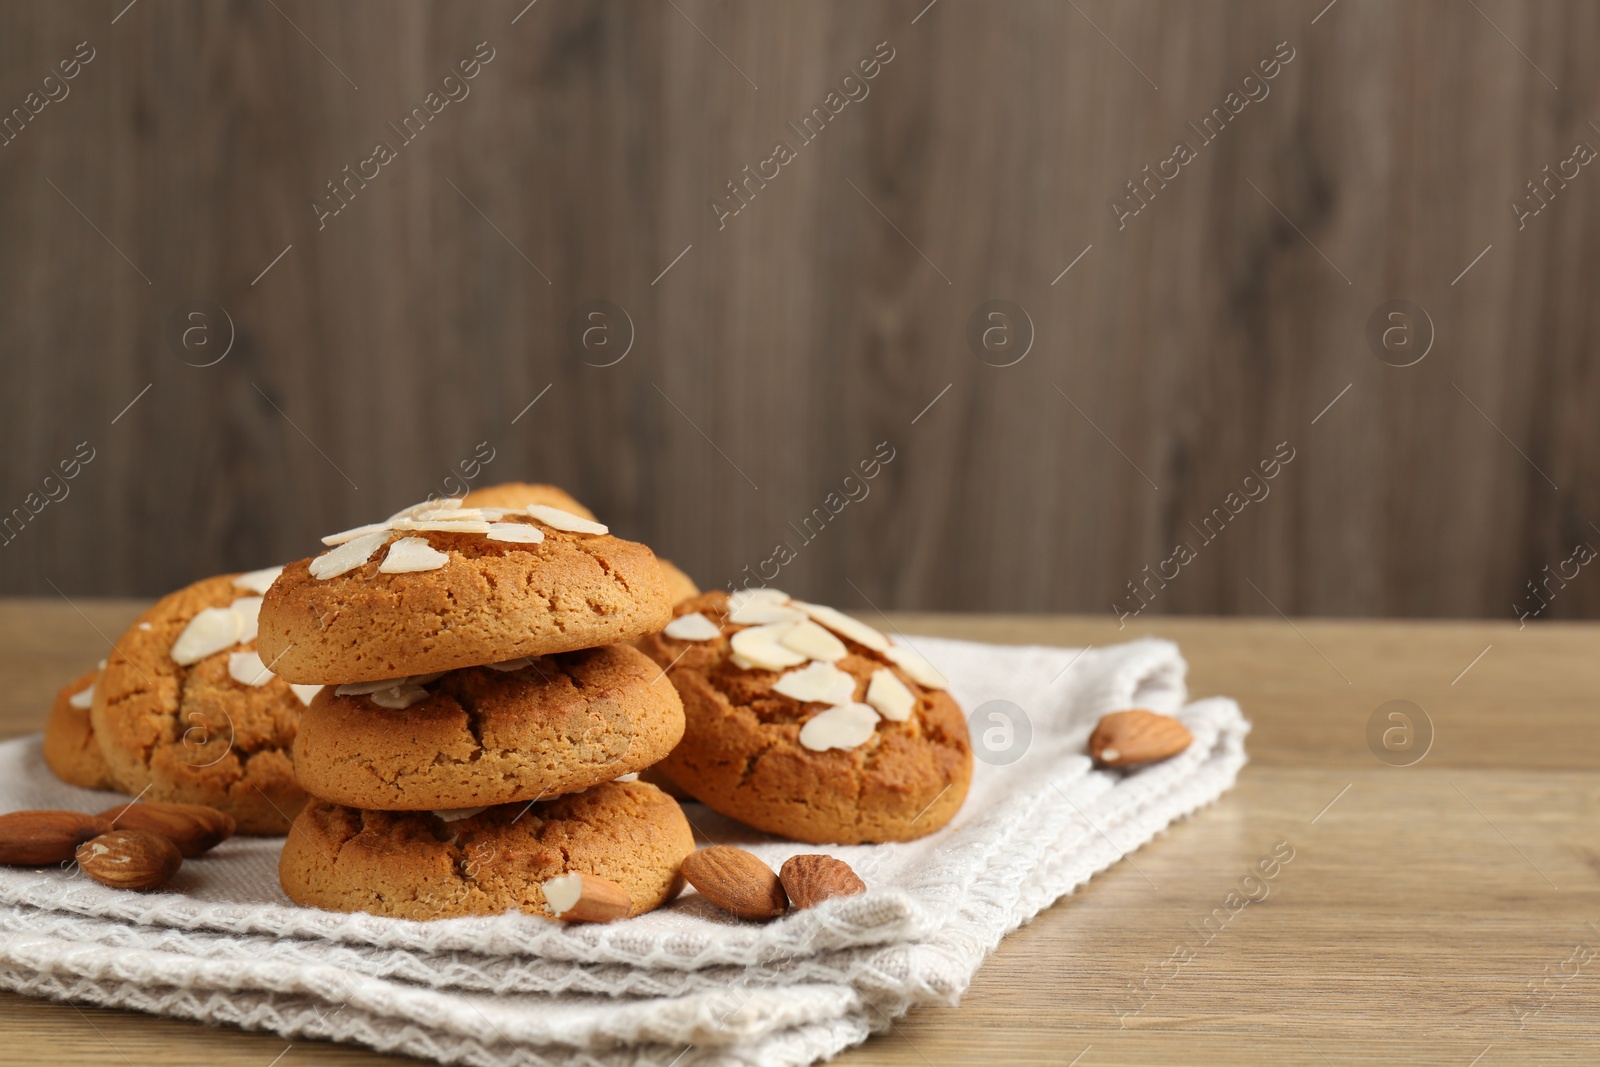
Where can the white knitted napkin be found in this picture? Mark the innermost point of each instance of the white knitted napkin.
(224, 945)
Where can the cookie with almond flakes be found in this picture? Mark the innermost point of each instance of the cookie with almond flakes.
(478, 736)
(446, 864)
(439, 586)
(186, 711)
(806, 723)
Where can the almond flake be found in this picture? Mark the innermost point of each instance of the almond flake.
(346, 536)
(449, 503)
(411, 554)
(210, 631)
(83, 697)
(921, 671)
(740, 597)
(400, 697)
(348, 556)
(248, 608)
(455, 514)
(692, 627)
(510, 664)
(841, 726)
(517, 533)
(457, 814)
(890, 696)
(809, 639)
(845, 626)
(759, 647)
(440, 526)
(306, 693)
(557, 519)
(247, 669)
(818, 683)
(760, 612)
(257, 581)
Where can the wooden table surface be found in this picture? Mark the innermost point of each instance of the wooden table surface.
(1446, 912)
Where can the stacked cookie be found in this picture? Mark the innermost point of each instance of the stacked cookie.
(481, 702)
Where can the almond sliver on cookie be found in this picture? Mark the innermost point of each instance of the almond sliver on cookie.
(246, 668)
(845, 626)
(412, 554)
(740, 597)
(763, 611)
(344, 537)
(818, 683)
(557, 519)
(692, 627)
(248, 609)
(813, 641)
(399, 698)
(521, 533)
(890, 696)
(306, 693)
(760, 646)
(348, 556)
(258, 582)
(912, 662)
(842, 726)
(210, 631)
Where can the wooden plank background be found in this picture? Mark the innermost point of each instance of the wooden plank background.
(1184, 346)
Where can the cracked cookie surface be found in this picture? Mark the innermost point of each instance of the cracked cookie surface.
(194, 734)
(415, 865)
(741, 753)
(485, 736)
(491, 601)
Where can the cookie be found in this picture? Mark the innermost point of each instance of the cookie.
(215, 729)
(679, 585)
(435, 590)
(518, 495)
(483, 735)
(805, 723)
(418, 865)
(71, 749)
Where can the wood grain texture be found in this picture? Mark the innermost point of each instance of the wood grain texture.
(1185, 345)
(1420, 903)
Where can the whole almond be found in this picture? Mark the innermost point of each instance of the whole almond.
(586, 898)
(1124, 738)
(37, 838)
(194, 828)
(811, 879)
(130, 859)
(736, 881)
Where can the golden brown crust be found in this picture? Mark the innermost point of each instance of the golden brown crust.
(492, 601)
(560, 725)
(680, 586)
(193, 734)
(521, 494)
(414, 865)
(71, 749)
(741, 753)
